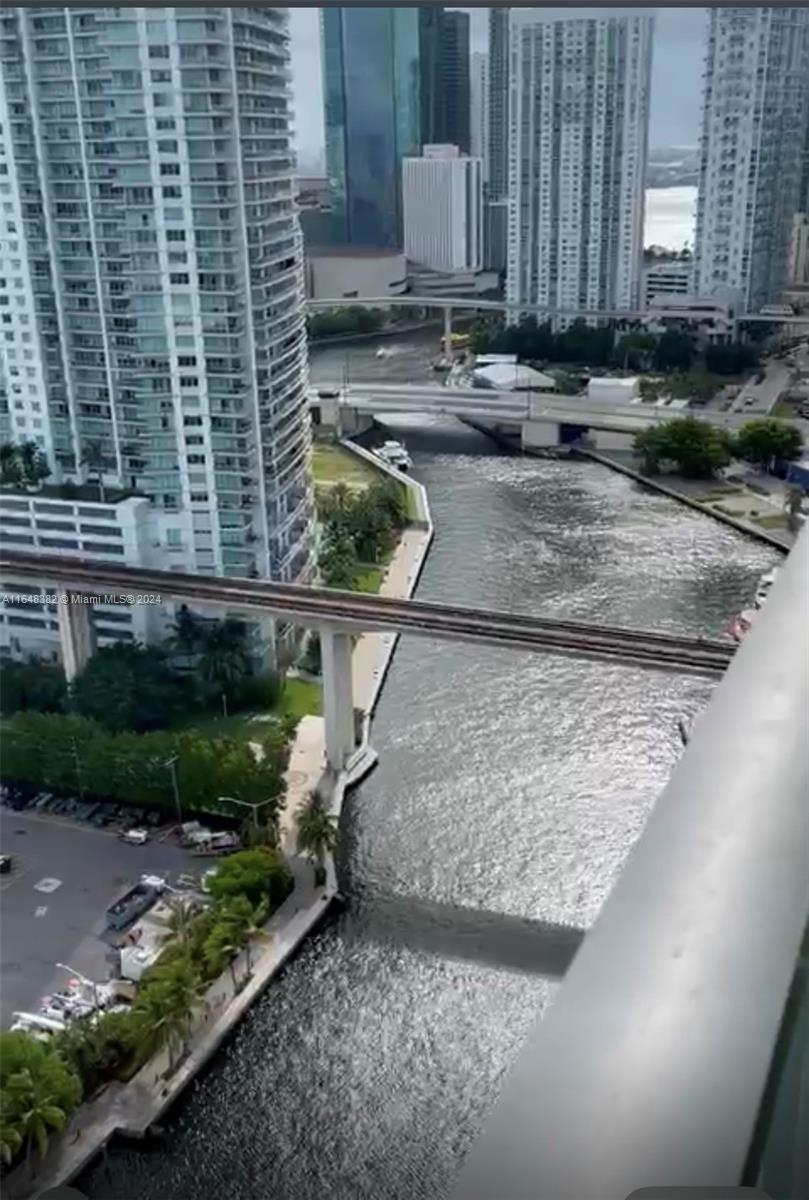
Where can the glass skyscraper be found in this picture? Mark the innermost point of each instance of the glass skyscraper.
(445, 82)
(151, 285)
(372, 112)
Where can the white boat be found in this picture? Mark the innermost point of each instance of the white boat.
(395, 455)
(764, 585)
(387, 351)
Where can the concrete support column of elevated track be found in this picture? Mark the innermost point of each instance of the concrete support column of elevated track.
(448, 331)
(77, 638)
(338, 699)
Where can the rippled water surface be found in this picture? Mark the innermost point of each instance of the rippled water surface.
(510, 789)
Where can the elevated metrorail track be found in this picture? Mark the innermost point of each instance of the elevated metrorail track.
(362, 613)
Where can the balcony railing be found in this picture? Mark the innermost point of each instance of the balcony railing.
(675, 1054)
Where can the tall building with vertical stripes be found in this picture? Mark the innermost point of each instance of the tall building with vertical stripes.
(754, 160)
(151, 285)
(578, 117)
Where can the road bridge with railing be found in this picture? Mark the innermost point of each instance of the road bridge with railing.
(338, 615)
(540, 417)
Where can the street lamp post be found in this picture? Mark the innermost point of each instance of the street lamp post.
(246, 804)
(83, 978)
(77, 761)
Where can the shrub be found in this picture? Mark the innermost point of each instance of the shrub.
(259, 874)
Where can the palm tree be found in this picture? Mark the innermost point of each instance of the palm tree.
(245, 921)
(224, 658)
(187, 633)
(37, 1113)
(10, 1143)
(317, 833)
(220, 950)
(93, 458)
(179, 924)
(165, 1007)
(10, 472)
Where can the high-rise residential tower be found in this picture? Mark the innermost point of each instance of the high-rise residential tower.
(444, 77)
(753, 146)
(496, 170)
(479, 109)
(371, 96)
(151, 279)
(578, 130)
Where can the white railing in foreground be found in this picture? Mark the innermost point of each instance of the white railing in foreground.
(651, 1066)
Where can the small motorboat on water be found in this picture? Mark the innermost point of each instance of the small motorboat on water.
(764, 586)
(387, 352)
(394, 454)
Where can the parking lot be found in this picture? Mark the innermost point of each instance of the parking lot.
(63, 877)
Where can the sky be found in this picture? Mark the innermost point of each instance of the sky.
(676, 76)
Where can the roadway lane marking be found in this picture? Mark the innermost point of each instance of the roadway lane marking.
(47, 885)
(41, 911)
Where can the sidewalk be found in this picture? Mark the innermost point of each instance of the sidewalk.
(734, 504)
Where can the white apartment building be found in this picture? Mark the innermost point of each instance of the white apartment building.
(151, 282)
(442, 196)
(479, 109)
(669, 278)
(579, 86)
(754, 121)
(127, 530)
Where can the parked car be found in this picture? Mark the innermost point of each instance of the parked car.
(5, 864)
(134, 837)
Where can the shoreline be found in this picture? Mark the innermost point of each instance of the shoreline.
(605, 459)
(131, 1109)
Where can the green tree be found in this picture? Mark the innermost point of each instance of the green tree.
(649, 447)
(317, 833)
(220, 950)
(187, 634)
(224, 655)
(11, 475)
(730, 358)
(338, 560)
(165, 1004)
(36, 685)
(260, 874)
(766, 440)
(634, 350)
(129, 687)
(38, 1091)
(94, 457)
(674, 350)
(694, 447)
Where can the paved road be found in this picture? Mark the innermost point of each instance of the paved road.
(52, 904)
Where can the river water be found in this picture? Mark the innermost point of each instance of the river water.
(510, 789)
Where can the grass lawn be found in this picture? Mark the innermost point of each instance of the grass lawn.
(773, 521)
(368, 579)
(300, 698)
(334, 464)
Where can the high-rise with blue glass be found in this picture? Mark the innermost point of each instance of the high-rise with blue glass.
(371, 94)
